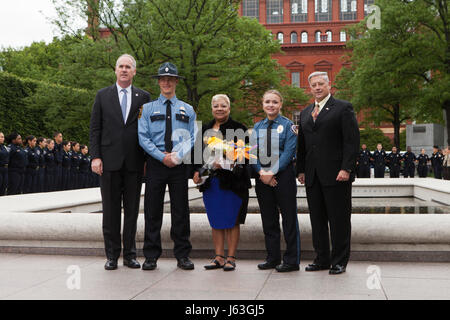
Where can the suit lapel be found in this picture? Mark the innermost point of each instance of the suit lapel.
(325, 110)
(114, 102)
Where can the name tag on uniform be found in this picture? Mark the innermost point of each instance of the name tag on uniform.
(182, 117)
(157, 117)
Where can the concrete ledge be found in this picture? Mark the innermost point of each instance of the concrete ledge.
(374, 237)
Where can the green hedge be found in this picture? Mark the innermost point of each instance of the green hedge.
(38, 108)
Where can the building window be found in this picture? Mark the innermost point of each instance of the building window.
(274, 11)
(295, 79)
(323, 10)
(304, 37)
(294, 37)
(250, 8)
(347, 9)
(329, 36)
(299, 10)
(280, 37)
(343, 36)
(318, 35)
(367, 4)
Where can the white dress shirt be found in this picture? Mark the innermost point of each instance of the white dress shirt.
(323, 102)
(119, 90)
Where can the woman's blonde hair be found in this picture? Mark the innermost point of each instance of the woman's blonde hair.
(221, 97)
(273, 91)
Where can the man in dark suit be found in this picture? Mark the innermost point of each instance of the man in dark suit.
(119, 160)
(328, 143)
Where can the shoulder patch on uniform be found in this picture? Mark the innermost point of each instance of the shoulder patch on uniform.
(294, 129)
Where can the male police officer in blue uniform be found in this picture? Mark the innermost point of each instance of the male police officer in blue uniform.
(379, 161)
(167, 133)
(363, 163)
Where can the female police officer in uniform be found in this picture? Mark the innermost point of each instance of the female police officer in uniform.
(276, 187)
(18, 159)
(4, 160)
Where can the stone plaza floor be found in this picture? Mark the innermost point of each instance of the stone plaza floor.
(46, 277)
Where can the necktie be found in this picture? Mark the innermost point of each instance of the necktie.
(123, 104)
(315, 113)
(269, 138)
(168, 136)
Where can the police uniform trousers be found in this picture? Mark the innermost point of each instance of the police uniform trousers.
(40, 185)
(422, 170)
(58, 183)
(379, 170)
(15, 180)
(330, 205)
(30, 182)
(158, 177)
(49, 179)
(437, 172)
(363, 171)
(3, 180)
(273, 200)
(65, 178)
(409, 170)
(394, 171)
(119, 187)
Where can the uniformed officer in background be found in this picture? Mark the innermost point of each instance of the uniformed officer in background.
(18, 160)
(4, 161)
(409, 166)
(160, 122)
(74, 165)
(394, 161)
(276, 186)
(58, 151)
(363, 163)
(40, 151)
(50, 166)
(85, 161)
(379, 161)
(436, 162)
(422, 166)
(31, 173)
(66, 165)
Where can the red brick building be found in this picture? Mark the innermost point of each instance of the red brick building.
(311, 33)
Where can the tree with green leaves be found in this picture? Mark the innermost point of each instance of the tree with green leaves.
(396, 71)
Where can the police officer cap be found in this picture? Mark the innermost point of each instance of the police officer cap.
(167, 69)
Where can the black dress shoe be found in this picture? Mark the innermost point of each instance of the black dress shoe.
(284, 267)
(185, 264)
(149, 264)
(316, 267)
(131, 263)
(267, 265)
(111, 264)
(337, 269)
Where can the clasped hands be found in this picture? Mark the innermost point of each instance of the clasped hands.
(343, 175)
(171, 159)
(268, 177)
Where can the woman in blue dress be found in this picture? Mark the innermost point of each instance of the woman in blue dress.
(225, 191)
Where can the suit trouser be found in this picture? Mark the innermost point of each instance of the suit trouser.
(3, 180)
(330, 205)
(158, 177)
(437, 172)
(446, 171)
(272, 201)
(118, 186)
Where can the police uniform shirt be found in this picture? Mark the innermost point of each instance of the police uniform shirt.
(49, 158)
(4, 156)
(437, 159)
(423, 160)
(18, 158)
(379, 157)
(152, 127)
(364, 157)
(33, 158)
(409, 158)
(394, 159)
(283, 129)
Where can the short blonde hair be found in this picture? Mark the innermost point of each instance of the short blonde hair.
(221, 97)
(273, 91)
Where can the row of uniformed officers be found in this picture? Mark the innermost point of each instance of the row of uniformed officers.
(380, 159)
(43, 165)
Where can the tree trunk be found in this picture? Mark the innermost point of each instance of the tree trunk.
(396, 124)
(446, 107)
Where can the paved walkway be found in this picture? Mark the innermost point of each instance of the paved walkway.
(69, 277)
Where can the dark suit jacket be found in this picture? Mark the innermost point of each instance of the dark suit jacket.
(112, 140)
(328, 145)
